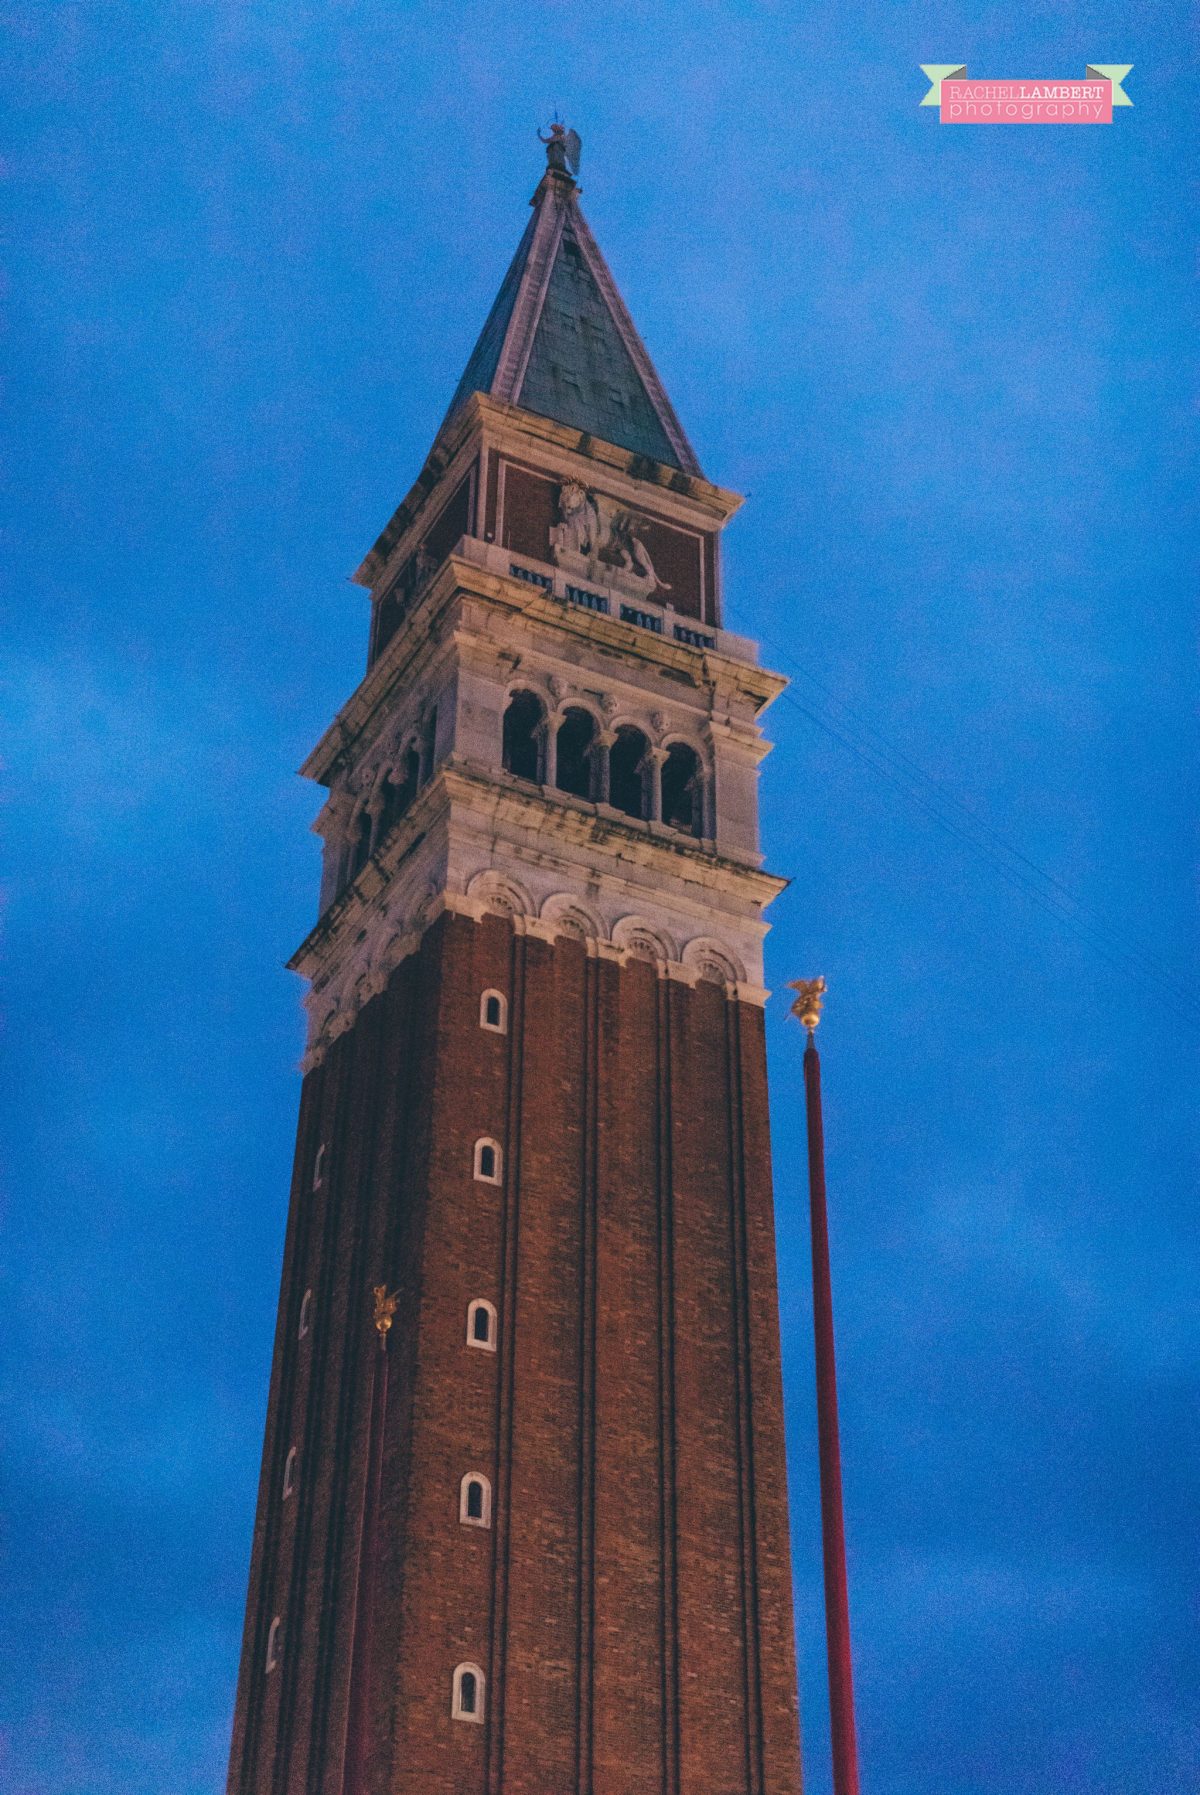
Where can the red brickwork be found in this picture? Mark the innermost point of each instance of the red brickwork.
(676, 558)
(453, 521)
(530, 511)
(630, 1606)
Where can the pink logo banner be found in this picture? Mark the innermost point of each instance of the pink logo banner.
(1026, 103)
(1086, 102)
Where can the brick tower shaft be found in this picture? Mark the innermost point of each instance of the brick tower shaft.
(523, 1529)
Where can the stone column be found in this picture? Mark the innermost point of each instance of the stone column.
(653, 761)
(704, 800)
(548, 730)
(331, 826)
(599, 751)
(375, 808)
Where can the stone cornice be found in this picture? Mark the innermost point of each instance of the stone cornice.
(509, 426)
(452, 437)
(644, 856)
(332, 1013)
(460, 579)
(346, 913)
(397, 662)
(664, 853)
(690, 497)
(477, 846)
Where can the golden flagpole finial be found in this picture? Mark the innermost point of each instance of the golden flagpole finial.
(810, 995)
(385, 1308)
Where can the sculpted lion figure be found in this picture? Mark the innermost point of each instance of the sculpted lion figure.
(625, 549)
(602, 534)
(578, 530)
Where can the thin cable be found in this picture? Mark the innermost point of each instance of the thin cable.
(927, 794)
(891, 752)
(1108, 950)
(896, 756)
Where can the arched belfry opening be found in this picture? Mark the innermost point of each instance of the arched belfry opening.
(627, 772)
(524, 715)
(682, 790)
(576, 736)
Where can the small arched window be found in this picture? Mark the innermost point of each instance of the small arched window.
(493, 1012)
(522, 745)
(305, 1315)
(626, 772)
(481, 1325)
(475, 1500)
(681, 789)
(273, 1646)
(573, 767)
(466, 1702)
(319, 1166)
(289, 1473)
(489, 1161)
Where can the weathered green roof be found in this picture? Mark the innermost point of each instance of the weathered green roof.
(481, 369)
(559, 341)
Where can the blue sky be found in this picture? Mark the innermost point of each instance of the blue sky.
(252, 244)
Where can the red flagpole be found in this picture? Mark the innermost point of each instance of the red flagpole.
(358, 1716)
(843, 1735)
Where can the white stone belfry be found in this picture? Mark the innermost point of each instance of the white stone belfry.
(554, 723)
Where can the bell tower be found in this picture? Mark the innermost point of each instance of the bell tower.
(522, 1523)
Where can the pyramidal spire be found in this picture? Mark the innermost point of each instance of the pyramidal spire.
(559, 341)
